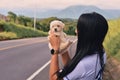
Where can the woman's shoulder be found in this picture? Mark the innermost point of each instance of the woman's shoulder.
(89, 58)
(78, 72)
(92, 58)
(84, 68)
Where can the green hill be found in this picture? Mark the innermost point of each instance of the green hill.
(10, 30)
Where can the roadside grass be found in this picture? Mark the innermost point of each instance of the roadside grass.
(7, 35)
(112, 41)
(13, 31)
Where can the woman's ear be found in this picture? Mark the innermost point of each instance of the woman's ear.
(76, 31)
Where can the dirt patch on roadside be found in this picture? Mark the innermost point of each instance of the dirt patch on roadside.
(112, 69)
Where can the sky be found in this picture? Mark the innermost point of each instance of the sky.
(57, 4)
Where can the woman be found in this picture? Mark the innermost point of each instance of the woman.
(88, 62)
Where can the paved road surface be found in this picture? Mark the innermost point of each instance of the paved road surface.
(19, 59)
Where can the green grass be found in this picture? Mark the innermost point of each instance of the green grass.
(7, 35)
(112, 41)
(19, 31)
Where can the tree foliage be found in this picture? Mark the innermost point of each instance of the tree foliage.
(23, 20)
(12, 16)
(42, 24)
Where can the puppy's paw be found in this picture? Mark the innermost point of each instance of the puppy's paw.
(70, 42)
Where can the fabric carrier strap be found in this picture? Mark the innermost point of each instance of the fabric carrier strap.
(99, 75)
(67, 78)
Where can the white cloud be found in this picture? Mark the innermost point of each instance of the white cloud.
(57, 4)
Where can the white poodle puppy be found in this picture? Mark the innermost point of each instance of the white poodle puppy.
(56, 27)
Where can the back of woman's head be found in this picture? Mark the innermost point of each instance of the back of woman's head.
(91, 30)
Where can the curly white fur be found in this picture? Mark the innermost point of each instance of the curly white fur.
(56, 27)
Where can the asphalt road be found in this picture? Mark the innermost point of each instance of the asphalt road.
(19, 59)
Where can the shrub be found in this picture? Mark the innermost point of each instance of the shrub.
(22, 31)
(112, 41)
(7, 35)
(114, 45)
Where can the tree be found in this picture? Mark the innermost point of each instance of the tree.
(24, 20)
(46, 23)
(70, 30)
(12, 16)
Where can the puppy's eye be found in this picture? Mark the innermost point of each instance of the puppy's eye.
(58, 25)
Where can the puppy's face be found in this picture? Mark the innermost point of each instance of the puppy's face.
(56, 26)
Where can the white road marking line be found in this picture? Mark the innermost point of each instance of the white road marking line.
(39, 70)
(20, 45)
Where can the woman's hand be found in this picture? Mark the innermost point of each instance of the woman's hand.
(54, 41)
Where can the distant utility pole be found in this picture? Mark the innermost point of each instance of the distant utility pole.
(34, 18)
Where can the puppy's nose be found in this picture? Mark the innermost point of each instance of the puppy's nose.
(55, 30)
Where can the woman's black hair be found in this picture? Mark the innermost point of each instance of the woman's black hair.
(92, 28)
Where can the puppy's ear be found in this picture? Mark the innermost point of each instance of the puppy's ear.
(50, 25)
(49, 32)
(63, 25)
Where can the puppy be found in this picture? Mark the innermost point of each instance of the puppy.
(56, 27)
